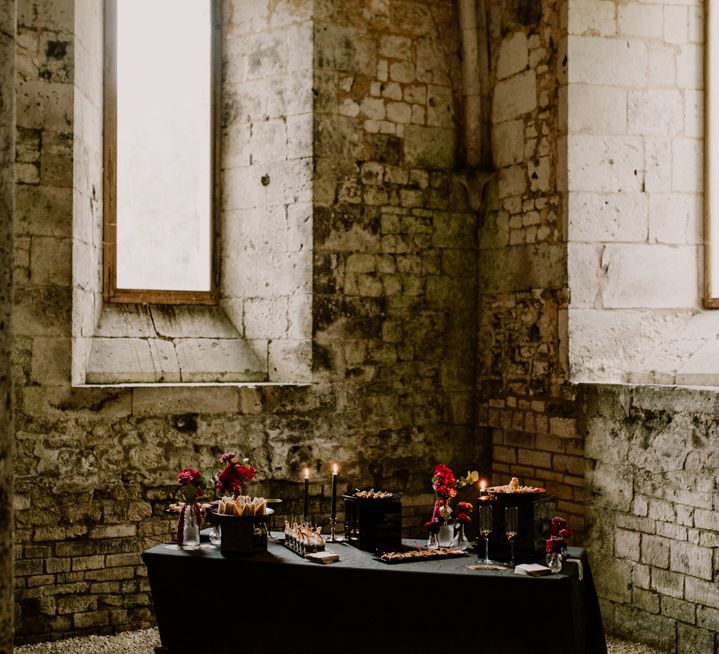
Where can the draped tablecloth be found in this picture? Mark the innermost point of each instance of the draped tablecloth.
(278, 602)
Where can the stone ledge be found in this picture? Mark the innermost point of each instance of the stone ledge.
(156, 344)
(232, 384)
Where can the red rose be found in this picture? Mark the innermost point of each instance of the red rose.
(443, 476)
(463, 517)
(227, 457)
(464, 506)
(230, 478)
(246, 472)
(189, 477)
(558, 523)
(565, 533)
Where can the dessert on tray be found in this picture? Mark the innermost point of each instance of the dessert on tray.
(411, 555)
(176, 507)
(514, 487)
(373, 494)
(303, 539)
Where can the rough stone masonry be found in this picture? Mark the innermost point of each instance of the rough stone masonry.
(436, 334)
(7, 211)
(393, 306)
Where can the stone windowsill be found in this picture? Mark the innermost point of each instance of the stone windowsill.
(153, 344)
(249, 384)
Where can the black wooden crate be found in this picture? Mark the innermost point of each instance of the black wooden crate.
(373, 524)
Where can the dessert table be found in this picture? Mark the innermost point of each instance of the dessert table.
(278, 602)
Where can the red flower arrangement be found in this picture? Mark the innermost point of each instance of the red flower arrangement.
(445, 485)
(558, 536)
(465, 512)
(191, 483)
(229, 479)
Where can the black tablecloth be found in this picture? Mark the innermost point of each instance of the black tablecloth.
(278, 602)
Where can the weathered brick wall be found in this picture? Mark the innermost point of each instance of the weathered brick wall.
(7, 215)
(653, 458)
(393, 315)
(526, 404)
(394, 238)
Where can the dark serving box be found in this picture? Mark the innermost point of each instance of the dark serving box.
(373, 525)
(535, 513)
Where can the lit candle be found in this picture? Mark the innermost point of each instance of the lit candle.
(333, 509)
(306, 509)
(482, 486)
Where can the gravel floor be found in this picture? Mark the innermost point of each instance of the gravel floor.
(144, 642)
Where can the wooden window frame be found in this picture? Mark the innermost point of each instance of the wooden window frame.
(152, 296)
(711, 154)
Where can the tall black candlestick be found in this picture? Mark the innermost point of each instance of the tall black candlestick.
(333, 509)
(306, 509)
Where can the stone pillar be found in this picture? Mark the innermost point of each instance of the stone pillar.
(7, 206)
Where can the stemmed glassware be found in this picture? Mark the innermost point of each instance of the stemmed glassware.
(511, 526)
(485, 528)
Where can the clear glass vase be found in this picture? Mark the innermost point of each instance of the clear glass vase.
(459, 540)
(433, 540)
(446, 535)
(190, 528)
(554, 562)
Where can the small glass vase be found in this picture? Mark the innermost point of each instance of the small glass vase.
(190, 528)
(459, 540)
(446, 535)
(433, 540)
(554, 562)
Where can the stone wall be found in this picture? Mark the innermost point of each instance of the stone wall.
(635, 227)
(653, 456)
(261, 328)
(634, 144)
(7, 215)
(393, 316)
(526, 403)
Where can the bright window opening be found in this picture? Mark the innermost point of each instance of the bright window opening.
(160, 151)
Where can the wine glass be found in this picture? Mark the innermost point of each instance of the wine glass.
(485, 528)
(511, 526)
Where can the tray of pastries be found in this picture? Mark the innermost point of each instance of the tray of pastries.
(412, 555)
(371, 494)
(515, 488)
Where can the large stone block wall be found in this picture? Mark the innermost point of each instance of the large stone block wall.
(635, 181)
(652, 506)
(261, 328)
(526, 404)
(393, 318)
(7, 215)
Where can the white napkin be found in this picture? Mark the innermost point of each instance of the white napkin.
(580, 567)
(531, 569)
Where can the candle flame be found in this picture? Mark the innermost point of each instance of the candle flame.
(335, 468)
(482, 485)
(307, 473)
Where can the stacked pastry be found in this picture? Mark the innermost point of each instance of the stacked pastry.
(419, 555)
(244, 505)
(176, 507)
(372, 494)
(303, 539)
(514, 487)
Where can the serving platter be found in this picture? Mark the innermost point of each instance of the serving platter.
(414, 555)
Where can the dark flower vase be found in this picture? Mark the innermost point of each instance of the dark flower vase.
(242, 535)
